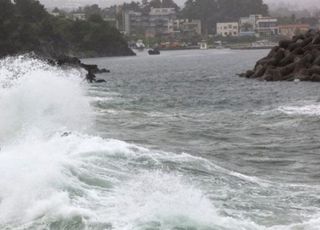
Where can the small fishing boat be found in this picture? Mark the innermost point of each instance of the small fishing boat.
(153, 52)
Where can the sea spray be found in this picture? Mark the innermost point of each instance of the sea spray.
(35, 97)
(54, 175)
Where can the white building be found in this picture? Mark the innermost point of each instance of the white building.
(267, 26)
(257, 25)
(228, 29)
(79, 16)
(247, 25)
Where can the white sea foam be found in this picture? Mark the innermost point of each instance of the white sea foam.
(52, 171)
(36, 96)
(47, 174)
(309, 110)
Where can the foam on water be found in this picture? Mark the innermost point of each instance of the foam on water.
(54, 180)
(35, 96)
(308, 110)
(54, 175)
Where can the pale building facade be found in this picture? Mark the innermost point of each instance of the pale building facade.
(293, 29)
(228, 29)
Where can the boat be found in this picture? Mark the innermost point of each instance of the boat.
(153, 52)
(139, 45)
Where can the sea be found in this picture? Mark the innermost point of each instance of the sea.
(175, 141)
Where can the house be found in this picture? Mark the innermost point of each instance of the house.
(293, 29)
(79, 16)
(228, 29)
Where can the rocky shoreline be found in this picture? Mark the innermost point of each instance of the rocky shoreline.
(92, 70)
(297, 59)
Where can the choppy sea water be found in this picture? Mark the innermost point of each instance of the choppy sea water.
(170, 142)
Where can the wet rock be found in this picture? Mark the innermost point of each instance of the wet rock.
(295, 59)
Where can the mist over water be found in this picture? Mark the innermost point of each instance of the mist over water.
(170, 142)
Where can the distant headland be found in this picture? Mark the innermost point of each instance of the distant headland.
(28, 27)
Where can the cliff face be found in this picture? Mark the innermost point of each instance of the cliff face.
(295, 59)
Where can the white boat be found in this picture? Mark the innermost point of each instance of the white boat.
(140, 46)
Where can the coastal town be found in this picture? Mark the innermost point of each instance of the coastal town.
(166, 26)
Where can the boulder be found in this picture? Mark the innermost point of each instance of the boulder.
(295, 59)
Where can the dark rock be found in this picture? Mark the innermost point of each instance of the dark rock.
(285, 43)
(288, 69)
(316, 61)
(298, 51)
(76, 62)
(314, 70)
(315, 77)
(259, 72)
(298, 58)
(306, 41)
(316, 40)
(287, 60)
(298, 37)
(100, 81)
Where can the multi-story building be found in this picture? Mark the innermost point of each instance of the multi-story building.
(247, 25)
(188, 26)
(134, 23)
(161, 21)
(267, 26)
(258, 25)
(228, 29)
(293, 29)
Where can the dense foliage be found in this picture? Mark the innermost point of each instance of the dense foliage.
(212, 11)
(26, 26)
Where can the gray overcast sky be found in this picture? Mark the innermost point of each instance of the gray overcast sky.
(75, 3)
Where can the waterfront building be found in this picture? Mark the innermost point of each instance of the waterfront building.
(258, 25)
(228, 29)
(188, 26)
(267, 27)
(247, 25)
(161, 21)
(293, 29)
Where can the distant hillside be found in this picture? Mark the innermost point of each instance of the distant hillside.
(26, 26)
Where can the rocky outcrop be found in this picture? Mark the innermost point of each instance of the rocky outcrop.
(76, 62)
(295, 59)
